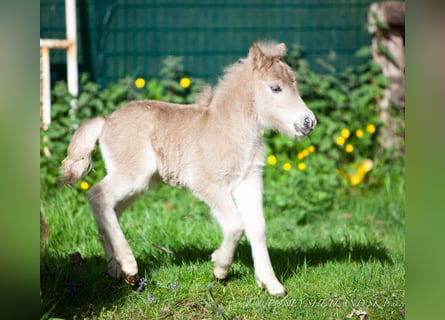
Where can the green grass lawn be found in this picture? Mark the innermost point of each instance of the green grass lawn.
(349, 257)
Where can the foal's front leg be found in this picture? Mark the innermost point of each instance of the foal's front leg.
(248, 198)
(220, 200)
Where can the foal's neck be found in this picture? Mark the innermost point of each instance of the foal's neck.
(234, 99)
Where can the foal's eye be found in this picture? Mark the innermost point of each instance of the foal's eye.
(276, 89)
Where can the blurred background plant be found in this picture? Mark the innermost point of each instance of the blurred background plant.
(342, 155)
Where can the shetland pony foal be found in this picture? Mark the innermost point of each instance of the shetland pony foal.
(213, 147)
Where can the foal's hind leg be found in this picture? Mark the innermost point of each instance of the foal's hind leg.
(108, 199)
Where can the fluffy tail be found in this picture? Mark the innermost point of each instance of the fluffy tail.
(78, 161)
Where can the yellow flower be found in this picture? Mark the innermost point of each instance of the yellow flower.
(349, 148)
(370, 128)
(366, 166)
(271, 160)
(355, 179)
(311, 149)
(300, 156)
(359, 133)
(139, 83)
(345, 133)
(287, 166)
(84, 185)
(340, 141)
(305, 153)
(301, 166)
(185, 82)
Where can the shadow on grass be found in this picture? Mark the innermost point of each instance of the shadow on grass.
(70, 288)
(285, 261)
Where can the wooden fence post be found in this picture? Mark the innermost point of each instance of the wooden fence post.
(387, 27)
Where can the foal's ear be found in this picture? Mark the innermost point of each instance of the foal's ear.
(264, 53)
(254, 51)
(257, 56)
(281, 49)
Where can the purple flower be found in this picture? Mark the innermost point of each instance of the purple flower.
(142, 284)
(150, 298)
(174, 286)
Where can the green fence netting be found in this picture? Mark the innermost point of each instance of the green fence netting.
(118, 38)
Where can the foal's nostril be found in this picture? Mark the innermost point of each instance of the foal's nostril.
(309, 123)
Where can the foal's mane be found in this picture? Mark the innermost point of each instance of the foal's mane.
(270, 51)
(204, 96)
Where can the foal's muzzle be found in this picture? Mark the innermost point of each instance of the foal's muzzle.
(307, 125)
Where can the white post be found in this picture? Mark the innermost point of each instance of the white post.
(45, 83)
(71, 52)
(70, 44)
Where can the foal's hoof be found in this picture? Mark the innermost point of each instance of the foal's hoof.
(222, 281)
(278, 293)
(220, 273)
(130, 279)
(274, 288)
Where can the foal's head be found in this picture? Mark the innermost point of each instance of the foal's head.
(278, 102)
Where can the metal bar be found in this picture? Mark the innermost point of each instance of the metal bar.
(54, 43)
(71, 52)
(45, 87)
(70, 44)
(238, 4)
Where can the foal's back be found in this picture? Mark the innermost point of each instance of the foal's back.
(151, 133)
